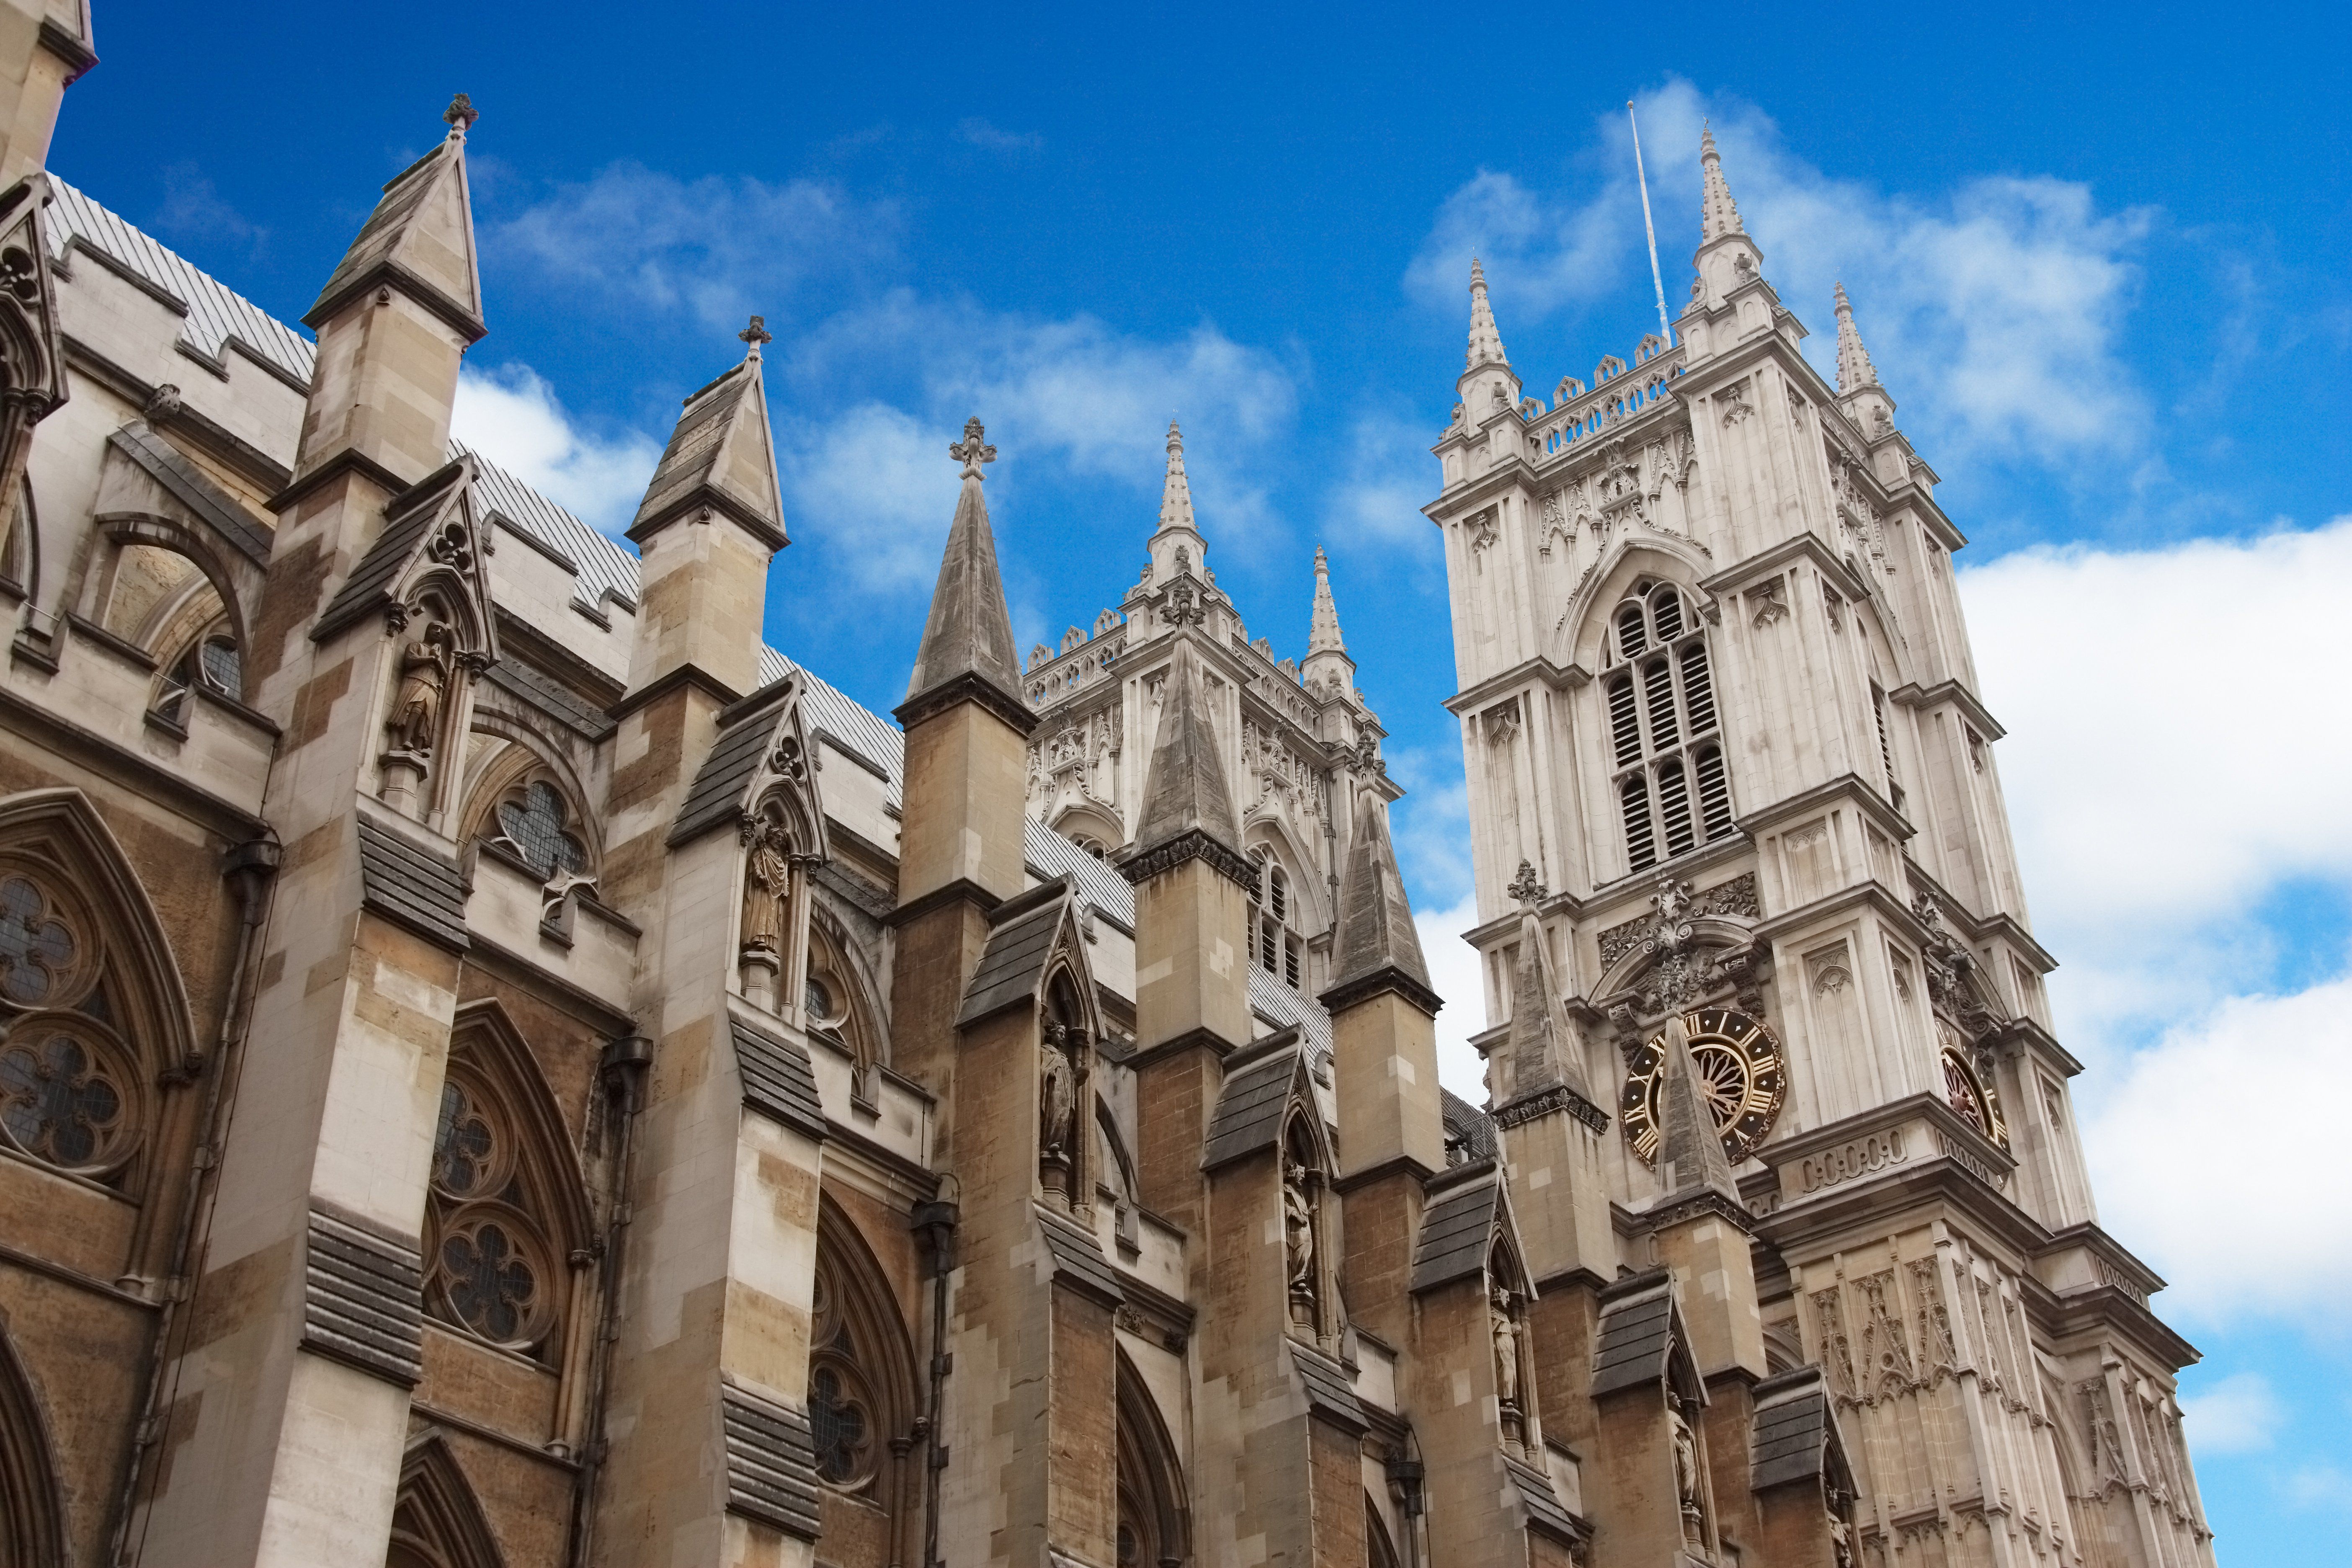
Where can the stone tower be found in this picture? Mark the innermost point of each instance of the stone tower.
(1740, 845)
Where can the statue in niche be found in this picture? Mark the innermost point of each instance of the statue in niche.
(415, 722)
(1058, 1095)
(1506, 1347)
(767, 882)
(1685, 1468)
(1298, 1236)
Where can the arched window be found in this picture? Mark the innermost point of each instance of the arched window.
(72, 1093)
(1674, 788)
(32, 1510)
(505, 1209)
(1276, 946)
(212, 662)
(535, 820)
(435, 1520)
(861, 1394)
(1155, 1522)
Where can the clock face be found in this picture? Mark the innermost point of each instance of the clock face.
(1968, 1095)
(1740, 1081)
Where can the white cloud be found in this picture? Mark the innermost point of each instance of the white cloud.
(1454, 975)
(716, 247)
(2237, 1415)
(877, 482)
(1993, 311)
(2177, 698)
(510, 415)
(988, 138)
(1389, 476)
(2264, 1226)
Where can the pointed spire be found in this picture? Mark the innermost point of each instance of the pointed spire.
(1185, 792)
(1376, 940)
(1543, 1052)
(1323, 635)
(419, 240)
(723, 455)
(1176, 492)
(1690, 1149)
(1485, 341)
(1717, 214)
(968, 639)
(1854, 369)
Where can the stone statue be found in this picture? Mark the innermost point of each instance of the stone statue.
(415, 722)
(1685, 1468)
(1298, 1228)
(767, 879)
(1058, 1095)
(1506, 1349)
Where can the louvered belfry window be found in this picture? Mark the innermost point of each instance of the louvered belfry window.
(1674, 788)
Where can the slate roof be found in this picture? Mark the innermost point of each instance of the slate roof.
(162, 462)
(716, 793)
(1079, 1258)
(1456, 1228)
(1469, 1130)
(1637, 1333)
(215, 316)
(411, 885)
(1248, 1118)
(1329, 1389)
(1014, 959)
(1792, 1429)
(778, 1078)
(602, 568)
(411, 514)
(1545, 1511)
(1283, 1006)
(551, 698)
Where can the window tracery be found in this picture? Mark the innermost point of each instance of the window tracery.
(1673, 781)
(1276, 944)
(493, 1269)
(71, 1089)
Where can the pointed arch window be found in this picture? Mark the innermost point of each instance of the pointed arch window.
(1666, 742)
(73, 1095)
(1274, 942)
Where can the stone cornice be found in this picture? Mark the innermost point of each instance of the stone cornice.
(1914, 695)
(1385, 979)
(1849, 787)
(1806, 547)
(1193, 844)
(973, 687)
(1541, 1102)
(1557, 677)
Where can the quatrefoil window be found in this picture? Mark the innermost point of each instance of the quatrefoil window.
(39, 955)
(839, 1424)
(62, 1098)
(534, 823)
(492, 1284)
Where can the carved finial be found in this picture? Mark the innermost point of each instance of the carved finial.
(754, 335)
(1524, 885)
(461, 117)
(972, 451)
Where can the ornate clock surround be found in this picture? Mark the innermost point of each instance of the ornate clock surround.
(1742, 1081)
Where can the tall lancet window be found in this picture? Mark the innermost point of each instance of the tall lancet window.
(1274, 920)
(1666, 744)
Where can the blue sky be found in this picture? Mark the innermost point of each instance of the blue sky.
(2097, 255)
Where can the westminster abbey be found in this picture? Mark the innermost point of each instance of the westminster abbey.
(500, 1068)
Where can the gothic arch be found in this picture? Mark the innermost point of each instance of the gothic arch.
(32, 1506)
(507, 1195)
(862, 1385)
(1155, 1510)
(123, 530)
(507, 771)
(1379, 1552)
(1576, 638)
(1272, 832)
(855, 1009)
(1085, 825)
(437, 1521)
(89, 991)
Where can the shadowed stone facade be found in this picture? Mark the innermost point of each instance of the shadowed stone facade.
(499, 1066)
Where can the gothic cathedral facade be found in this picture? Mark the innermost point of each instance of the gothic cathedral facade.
(502, 1069)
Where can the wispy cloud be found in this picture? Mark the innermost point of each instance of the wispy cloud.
(193, 209)
(716, 247)
(988, 138)
(510, 415)
(1994, 310)
(2238, 1414)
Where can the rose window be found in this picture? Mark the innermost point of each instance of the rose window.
(58, 1102)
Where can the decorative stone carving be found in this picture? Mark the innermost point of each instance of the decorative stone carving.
(1527, 888)
(1299, 1238)
(424, 665)
(1057, 1096)
(767, 888)
(1686, 1486)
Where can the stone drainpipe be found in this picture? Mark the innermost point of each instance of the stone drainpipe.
(623, 1076)
(251, 868)
(936, 1222)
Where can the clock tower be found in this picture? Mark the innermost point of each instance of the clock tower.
(1731, 780)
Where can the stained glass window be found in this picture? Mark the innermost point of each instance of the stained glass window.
(534, 824)
(57, 1101)
(491, 1285)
